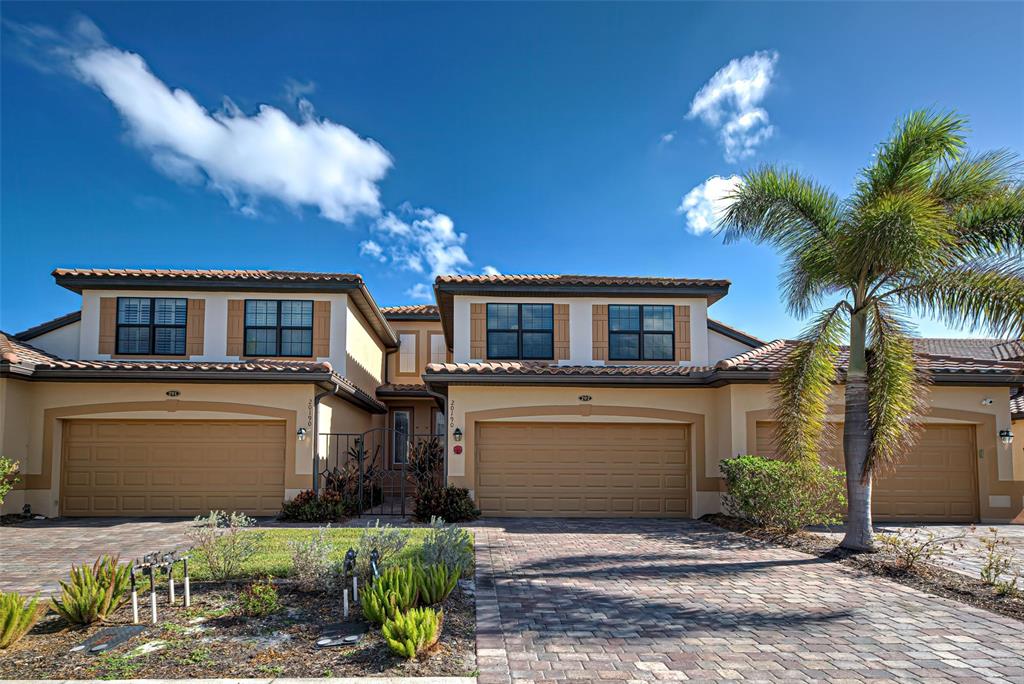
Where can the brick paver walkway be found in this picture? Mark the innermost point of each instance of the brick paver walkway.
(34, 555)
(659, 600)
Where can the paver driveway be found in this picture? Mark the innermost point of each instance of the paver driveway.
(34, 555)
(670, 600)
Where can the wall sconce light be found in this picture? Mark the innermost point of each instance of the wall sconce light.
(301, 433)
(1006, 437)
(457, 435)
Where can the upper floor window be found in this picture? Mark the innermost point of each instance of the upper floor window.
(407, 353)
(278, 328)
(520, 331)
(438, 349)
(151, 325)
(641, 332)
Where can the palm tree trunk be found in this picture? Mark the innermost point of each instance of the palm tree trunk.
(857, 440)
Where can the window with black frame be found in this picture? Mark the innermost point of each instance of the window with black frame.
(278, 327)
(520, 331)
(153, 326)
(641, 332)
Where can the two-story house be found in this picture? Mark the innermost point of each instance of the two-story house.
(176, 392)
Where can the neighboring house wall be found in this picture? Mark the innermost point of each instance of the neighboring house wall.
(33, 411)
(581, 332)
(421, 332)
(723, 347)
(63, 341)
(215, 329)
(726, 417)
(364, 357)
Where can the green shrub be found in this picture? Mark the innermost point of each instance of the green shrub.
(388, 541)
(312, 567)
(259, 599)
(378, 605)
(449, 545)
(94, 593)
(308, 507)
(225, 541)
(17, 616)
(451, 504)
(8, 476)
(783, 496)
(395, 591)
(413, 633)
(436, 583)
(909, 549)
(999, 562)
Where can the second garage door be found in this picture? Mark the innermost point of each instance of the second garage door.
(172, 467)
(586, 470)
(936, 482)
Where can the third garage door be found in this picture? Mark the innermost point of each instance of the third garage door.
(583, 469)
(936, 482)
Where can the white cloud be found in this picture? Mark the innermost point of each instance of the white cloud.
(420, 292)
(705, 204)
(729, 102)
(369, 248)
(491, 271)
(666, 138)
(295, 91)
(423, 240)
(248, 158)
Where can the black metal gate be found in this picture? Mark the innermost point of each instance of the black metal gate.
(380, 470)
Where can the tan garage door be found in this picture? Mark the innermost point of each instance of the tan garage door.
(172, 467)
(936, 482)
(583, 469)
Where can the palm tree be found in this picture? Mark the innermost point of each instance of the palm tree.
(929, 229)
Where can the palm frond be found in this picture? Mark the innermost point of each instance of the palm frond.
(975, 177)
(896, 389)
(805, 383)
(986, 295)
(907, 159)
(992, 225)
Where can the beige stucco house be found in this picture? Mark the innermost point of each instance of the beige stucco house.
(558, 396)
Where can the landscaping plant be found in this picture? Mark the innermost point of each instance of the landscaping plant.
(259, 598)
(312, 567)
(395, 591)
(782, 496)
(93, 593)
(448, 545)
(329, 506)
(999, 561)
(414, 632)
(437, 582)
(225, 541)
(378, 605)
(388, 542)
(449, 503)
(930, 230)
(8, 476)
(911, 548)
(18, 614)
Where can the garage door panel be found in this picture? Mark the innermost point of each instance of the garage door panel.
(937, 482)
(583, 469)
(172, 467)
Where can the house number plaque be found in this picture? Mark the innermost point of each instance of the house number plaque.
(585, 397)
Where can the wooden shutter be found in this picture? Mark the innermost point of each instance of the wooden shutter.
(682, 332)
(108, 324)
(600, 332)
(321, 329)
(195, 327)
(478, 331)
(236, 327)
(561, 334)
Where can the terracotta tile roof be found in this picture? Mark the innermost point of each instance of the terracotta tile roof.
(1017, 407)
(771, 357)
(53, 324)
(975, 348)
(16, 352)
(1012, 350)
(543, 369)
(417, 310)
(207, 274)
(402, 390)
(579, 280)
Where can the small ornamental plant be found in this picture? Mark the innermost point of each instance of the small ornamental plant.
(18, 615)
(413, 633)
(436, 583)
(259, 599)
(92, 594)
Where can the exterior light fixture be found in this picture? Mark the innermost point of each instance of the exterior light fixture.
(301, 433)
(457, 435)
(1006, 437)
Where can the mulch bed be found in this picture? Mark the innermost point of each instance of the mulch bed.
(209, 641)
(928, 577)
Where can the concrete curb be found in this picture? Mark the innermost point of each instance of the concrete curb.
(274, 680)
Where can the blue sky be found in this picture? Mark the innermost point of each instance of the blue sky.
(396, 137)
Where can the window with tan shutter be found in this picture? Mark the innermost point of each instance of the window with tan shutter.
(438, 349)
